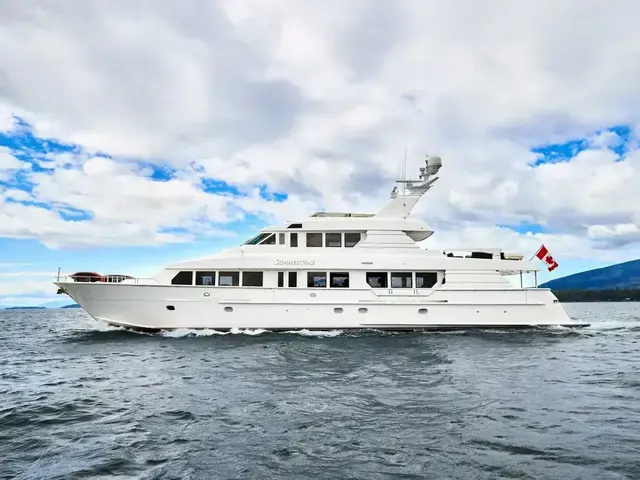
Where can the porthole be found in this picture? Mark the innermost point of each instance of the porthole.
(228, 309)
(362, 310)
(206, 294)
(171, 307)
(337, 310)
(423, 311)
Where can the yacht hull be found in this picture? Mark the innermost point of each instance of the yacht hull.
(162, 307)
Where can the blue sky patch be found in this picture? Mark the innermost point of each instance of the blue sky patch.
(524, 227)
(564, 152)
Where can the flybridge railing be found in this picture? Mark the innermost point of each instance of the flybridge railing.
(91, 277)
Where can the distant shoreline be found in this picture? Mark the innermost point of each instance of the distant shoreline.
(609, 295)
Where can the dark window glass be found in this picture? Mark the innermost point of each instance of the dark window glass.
(252, 279)
(295, 225)
(314, 240)
(183, 278)
(281, 279)
(270, 240)
(334, 239)
(293, 279)
(293, 241)
(229, 279)
(316, 279)
(339, 279)
(257, 239)
(426, 279)
(351, 239)
(205, 278)
(400, 279)
(377, 279)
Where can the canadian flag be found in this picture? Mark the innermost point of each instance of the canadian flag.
(544, 255)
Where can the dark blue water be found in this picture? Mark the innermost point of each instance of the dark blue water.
(79, 400)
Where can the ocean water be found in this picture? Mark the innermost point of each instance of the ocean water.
(81, 400)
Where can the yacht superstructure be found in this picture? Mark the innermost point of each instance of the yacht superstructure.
(332, 270)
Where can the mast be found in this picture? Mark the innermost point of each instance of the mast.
(401, 205)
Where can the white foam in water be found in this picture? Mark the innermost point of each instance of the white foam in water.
(185, 332)
(315, 333)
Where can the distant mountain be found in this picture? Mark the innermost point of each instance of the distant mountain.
(24, 308)
(73, 305)
(625, 276)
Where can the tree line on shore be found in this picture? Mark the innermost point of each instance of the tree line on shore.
(612, 295)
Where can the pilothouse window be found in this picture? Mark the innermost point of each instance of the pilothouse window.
(257, 239)
(270, 240)
(293, 240)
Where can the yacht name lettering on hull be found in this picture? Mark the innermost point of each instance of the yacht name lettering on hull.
(290, 263)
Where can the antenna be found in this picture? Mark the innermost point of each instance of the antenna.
(404, 167)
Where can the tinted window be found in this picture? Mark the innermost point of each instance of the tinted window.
(316, 279)
(339, 280)
(182, 278)
(281, 238)
(426, 279)
(270, 240)
(334, 239)
(281, 279)
(257, 239)
(293, 279)
(351, 239)
(293, 240)
(314, 239)
(229, 279)
(252, 279)
(377, 279)
(205, 278)
(401, 280)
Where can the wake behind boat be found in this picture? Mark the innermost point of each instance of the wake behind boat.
(332, 270)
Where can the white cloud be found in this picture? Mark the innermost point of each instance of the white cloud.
(317, 100)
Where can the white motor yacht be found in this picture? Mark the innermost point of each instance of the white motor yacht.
(332, 270)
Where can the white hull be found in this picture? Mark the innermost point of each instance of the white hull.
(225, 308)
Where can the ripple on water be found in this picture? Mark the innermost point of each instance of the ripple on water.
(82, 399)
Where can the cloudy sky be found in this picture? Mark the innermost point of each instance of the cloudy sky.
(137, 133)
